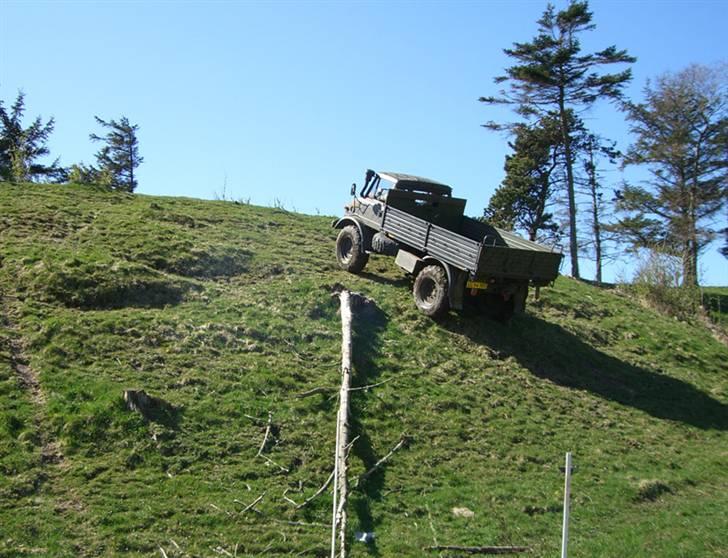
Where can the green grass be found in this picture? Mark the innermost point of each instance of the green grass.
(225, 311)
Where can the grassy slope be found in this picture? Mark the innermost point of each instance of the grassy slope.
(225, 311)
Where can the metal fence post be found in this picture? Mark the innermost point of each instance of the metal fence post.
(567, 496)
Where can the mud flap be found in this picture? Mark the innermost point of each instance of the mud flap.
(456, 289)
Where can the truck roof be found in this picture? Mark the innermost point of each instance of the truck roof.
(411, 182)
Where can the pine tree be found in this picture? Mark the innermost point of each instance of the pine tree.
(522, 199)
(551, 75)
(592, 149)
(20, 148)
(682, 138)
(119, 156)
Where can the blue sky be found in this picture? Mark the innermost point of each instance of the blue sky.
(290, 102)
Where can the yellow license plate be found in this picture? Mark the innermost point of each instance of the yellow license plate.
(476, 285)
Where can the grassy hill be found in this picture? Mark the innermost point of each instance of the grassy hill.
(225, 312)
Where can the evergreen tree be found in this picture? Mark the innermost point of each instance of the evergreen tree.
(119, 156)
(82, 174)
(682, 138)
(522, 200)
(593, 148)
(20, 148)
(551, 75)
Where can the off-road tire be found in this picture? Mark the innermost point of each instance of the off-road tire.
(430, 291)
(349, 253)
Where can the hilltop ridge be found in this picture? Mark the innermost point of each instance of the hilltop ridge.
(224, 311)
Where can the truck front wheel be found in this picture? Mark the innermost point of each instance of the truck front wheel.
(349, 253)
(430, 291)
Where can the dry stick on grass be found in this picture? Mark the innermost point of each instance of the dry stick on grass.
(323, 486)
(298, 523)
(480, 549)
(364, 476)
(254, 419)
(281, 467)
(265, 440)
(313, 391)
(267, 433)
(320, 491)
(371, 385)
(253, 503)
(350, 445)
(289, 500)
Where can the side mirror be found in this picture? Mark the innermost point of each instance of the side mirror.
(353, 189)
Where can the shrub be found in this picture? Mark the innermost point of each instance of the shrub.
(658, 281)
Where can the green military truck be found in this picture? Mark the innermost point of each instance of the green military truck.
(456, 261)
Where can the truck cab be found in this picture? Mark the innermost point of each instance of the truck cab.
(455, 260)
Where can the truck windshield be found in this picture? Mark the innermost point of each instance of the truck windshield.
(382, 188)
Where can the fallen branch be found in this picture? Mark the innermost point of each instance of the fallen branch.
(371, 385)
(298, 523)
(254, 419)
(281, 467)
(314, 391)
(324, 486)
(287, 499)
(320, 491)
(364, 476)
(253, 503)
(267, 433)
(480, 549)
(350, 445)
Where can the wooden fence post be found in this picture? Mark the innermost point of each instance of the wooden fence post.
(342, 431)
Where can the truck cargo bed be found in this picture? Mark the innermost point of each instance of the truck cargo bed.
(480, 249)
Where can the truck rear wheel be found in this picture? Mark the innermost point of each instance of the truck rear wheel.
(430, 291)
(349, 253)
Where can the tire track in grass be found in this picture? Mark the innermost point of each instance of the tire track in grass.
(52, 463)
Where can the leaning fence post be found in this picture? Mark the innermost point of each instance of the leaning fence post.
(342, 431)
